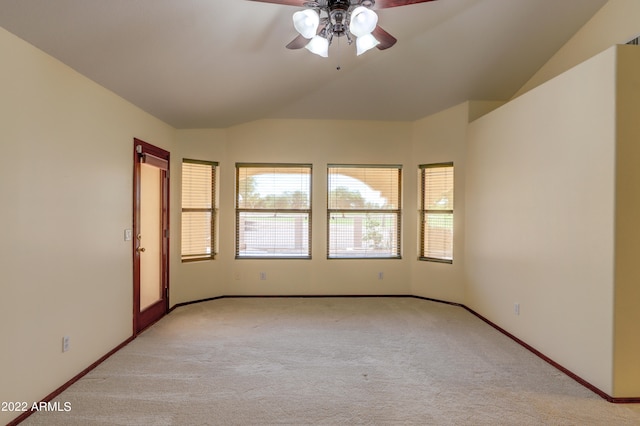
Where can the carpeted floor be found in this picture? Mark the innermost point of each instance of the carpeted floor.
(331, 361)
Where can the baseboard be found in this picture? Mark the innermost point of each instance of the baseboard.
(429, 299)
(291, 296)
(75, 378)
(551, 362)
(522, 343)
(319, 296)
(578, 379)
(542, 356)
(193, 302)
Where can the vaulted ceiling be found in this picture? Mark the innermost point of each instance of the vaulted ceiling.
(217, 63)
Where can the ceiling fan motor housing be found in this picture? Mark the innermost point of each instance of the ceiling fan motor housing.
(339, 10)
(338, 17)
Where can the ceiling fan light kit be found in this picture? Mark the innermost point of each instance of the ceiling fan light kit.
(365, 42)
(322, 20)
(318, 45)
(336, 19)
(363, 21)
(306, 22)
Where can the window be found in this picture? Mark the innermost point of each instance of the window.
(436, 212)
(364, 211)
(199, 210)
(273, 211)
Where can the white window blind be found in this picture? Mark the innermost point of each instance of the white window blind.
(199, 209)
(273, 210)
(436, 212)
(364, 211)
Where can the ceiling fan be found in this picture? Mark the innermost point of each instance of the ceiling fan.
(322, 20)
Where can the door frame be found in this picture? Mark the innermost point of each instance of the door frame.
(142, 320)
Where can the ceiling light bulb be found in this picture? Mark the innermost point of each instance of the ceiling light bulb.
(319, 46)
(306, 22)
(363, 21)
(365, 42)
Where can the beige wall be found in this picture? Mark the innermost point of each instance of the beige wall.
(200, 280)
(441, 138)
(298, 141)
(540, 218)
(615, 23)
(66, 195)
(437, 138)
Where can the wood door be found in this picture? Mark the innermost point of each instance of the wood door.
(151, 235)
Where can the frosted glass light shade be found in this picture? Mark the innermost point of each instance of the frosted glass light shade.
(363, 21)
(365, 42)
(319, 46)
(306, 22)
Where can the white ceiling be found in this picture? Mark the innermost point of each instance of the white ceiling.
(217, 63)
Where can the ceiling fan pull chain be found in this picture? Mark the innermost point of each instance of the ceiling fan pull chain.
(339, 56)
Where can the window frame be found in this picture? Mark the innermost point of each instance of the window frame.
(423, 211)
(397, 212)
(213, 210)
(275, 211)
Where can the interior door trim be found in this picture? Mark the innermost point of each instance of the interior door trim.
(158, 157)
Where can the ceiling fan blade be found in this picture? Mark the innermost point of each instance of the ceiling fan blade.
(386, 40)
(385, 4)
(284, 2)
(298, 43)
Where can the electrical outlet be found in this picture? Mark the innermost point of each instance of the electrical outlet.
(380, 275)
(263, 276)
(516, 308)
(65, 343)
(236, 276)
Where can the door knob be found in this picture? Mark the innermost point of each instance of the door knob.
(140, 249)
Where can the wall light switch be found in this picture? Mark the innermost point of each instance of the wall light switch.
(128, 234)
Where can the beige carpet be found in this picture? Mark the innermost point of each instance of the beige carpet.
(332, 361)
